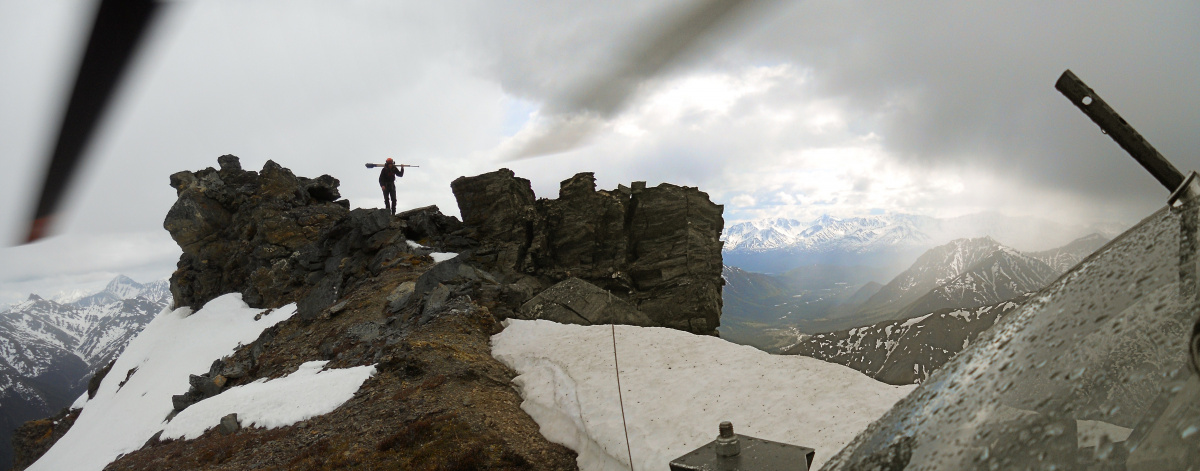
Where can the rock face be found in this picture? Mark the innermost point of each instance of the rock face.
(575, 301)
(34, 437)
(656, 248)
(278, 238)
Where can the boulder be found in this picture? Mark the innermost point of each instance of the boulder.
(229, 424)
(399, 297)
(574, 301)
(494, 205)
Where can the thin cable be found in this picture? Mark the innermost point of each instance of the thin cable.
(619, 396)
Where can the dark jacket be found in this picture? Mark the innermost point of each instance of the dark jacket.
(387, 177)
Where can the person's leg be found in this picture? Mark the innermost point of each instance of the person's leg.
(392, 194)
(386, 204)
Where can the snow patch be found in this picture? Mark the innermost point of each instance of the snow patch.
(171, 347)
(915, 320)
(677, 388)
(307, 393)
(439, 257)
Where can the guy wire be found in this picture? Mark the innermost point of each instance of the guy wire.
(619, 396)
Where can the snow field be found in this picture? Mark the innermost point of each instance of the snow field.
(677, 388)
(176, 344)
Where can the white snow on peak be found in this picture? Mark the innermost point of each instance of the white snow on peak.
(307, 393)
(71, 295)
(176, 344)
(124, 287)
(677, 388)
(826, 233)
(896, 230)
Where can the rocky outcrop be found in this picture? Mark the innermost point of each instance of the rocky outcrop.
(32, 439)
(274, 236)
(656, 248)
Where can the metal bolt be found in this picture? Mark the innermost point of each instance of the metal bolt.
(727, 441)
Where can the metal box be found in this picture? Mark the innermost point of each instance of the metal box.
(756, 455)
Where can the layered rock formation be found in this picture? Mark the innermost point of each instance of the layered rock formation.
(276, 237)
(656, 248)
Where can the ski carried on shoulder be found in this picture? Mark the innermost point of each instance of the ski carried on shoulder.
(398, 165)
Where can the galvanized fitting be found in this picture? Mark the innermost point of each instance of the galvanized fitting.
(727, 441)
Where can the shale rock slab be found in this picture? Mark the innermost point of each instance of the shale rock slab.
(574, 301)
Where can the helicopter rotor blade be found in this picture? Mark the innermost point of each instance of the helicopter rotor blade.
(582, 109)
(119, 28)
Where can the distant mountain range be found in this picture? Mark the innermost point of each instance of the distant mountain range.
(901, 332)
(768, 311)
(48, 349)
(887, 241)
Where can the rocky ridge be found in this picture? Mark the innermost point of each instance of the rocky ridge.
(368, 292)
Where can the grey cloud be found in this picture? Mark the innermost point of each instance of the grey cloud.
(592, 72)
(946, 84)
(971, 83)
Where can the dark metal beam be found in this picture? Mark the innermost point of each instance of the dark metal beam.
(118, 29)
(1112, 124)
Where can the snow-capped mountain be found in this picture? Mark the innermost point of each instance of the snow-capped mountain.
(48, 348)
(976, 282)
(1002, 275)
(935, 267)
(887, 240)
(828, 233)
(1063, 258)
(766, 234)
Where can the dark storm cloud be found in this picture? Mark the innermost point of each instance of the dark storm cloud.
(944, 83)
(597, 79)
(971, 83)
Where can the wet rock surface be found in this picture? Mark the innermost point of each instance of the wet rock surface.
(656, 248)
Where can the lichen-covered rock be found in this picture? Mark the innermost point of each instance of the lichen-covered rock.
(656, 248)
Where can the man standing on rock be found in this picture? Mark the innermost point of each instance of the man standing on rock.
(387, 182)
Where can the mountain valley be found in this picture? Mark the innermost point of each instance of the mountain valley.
(48, 349)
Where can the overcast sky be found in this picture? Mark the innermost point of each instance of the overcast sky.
(790, 108)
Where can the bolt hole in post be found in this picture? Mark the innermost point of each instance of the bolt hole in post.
(1087, 100)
